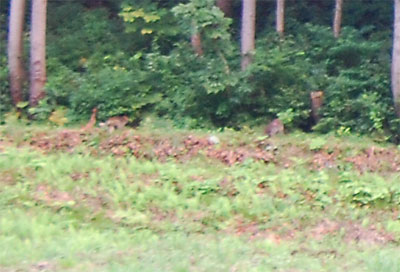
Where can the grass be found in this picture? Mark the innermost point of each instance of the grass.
(89, 209)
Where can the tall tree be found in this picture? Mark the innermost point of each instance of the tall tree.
(280, 17)
(226, 7)
(396, 58)
(337, 21)
(248, 31)
(38, 51)
(15, 49)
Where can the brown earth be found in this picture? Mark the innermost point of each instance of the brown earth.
(129, 143)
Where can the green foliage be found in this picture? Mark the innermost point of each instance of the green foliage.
(89, 36)
(5, 97)
(277, 83)
(134, 56)
(61, 82)
(58, 117)
(317, 143)
(357, 96)
(203, 17)
(188, 81)
(43, 110)
(187, 86)
(114, 91)
(369, 190)
(147, 22)
(352, 72)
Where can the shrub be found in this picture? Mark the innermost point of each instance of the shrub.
(114, 91)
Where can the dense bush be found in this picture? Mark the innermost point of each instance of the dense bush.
(114, 91)
(90, 35)
(196, 89)
(352, 72)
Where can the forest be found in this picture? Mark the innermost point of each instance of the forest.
(199, 135)
(183, 61)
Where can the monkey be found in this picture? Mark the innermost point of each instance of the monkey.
(317, 100)
(275, 127)
(116, 122)
(92, 121)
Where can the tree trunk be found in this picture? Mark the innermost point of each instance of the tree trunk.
(337, 21)
(38, 51)
(248, 31)
(15, 49)
(195, 40)
(317, 100)
(280, 17)
(196, 43)
(396, 58)
(226, 7)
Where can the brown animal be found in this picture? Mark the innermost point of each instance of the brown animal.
(92, 121)
(275, 127)
(116, 122)
(317, 100)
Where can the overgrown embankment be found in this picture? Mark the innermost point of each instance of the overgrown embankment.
(150, 198)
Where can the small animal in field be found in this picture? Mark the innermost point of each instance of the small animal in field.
(92, 121)
(275, 127)
(116, 122)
